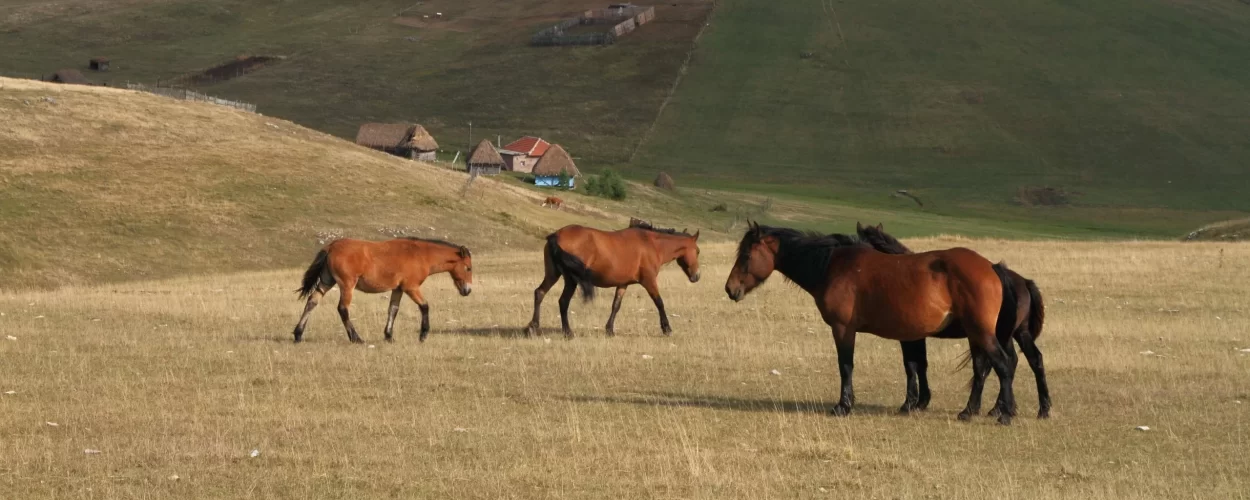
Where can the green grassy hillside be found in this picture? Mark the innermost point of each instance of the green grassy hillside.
(1136, 109)
(378, 60)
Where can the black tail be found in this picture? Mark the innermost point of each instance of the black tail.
(1037, 310)
(571, 267)
(1007, 313)
(312, 277)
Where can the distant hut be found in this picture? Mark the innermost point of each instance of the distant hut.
(547, 170)
(400, 139)
(99, 64)
(484, 159)
(664, 181)
(522, 154)
(69, 76)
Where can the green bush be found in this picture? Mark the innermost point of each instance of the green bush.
(608, 184)
(563, 180)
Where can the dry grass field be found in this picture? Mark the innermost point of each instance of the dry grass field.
(173, 384)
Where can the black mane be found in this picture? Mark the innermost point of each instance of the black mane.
(882, 241)
(802, 256)
(437, 242)
(642, 224)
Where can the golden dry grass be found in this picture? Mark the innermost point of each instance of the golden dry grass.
(176, 382)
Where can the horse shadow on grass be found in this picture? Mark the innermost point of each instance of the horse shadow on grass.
(672, 399)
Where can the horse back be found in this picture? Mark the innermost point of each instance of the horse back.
(613, 257)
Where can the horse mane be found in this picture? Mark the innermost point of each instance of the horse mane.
(461, 248)
(803, 257)
(642, 224)
(882, 241)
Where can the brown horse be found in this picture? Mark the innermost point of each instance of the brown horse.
(553, 202)
(593, 258)
(399, 266)
(1027, 327)
(898, 297)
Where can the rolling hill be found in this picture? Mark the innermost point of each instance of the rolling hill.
(1135, 110)
(101, 184)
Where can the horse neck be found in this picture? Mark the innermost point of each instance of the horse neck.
(806, 267)
(442, 258)
(669, 246)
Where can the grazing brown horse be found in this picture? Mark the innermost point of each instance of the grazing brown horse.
(898, 297)
(1027, 327)
(553, 202)
(399, 266)
(613, 259)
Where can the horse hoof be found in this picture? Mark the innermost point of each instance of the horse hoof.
(965, 415)
(908, 409)
(668, 332)
(840, 411)
(1043, 414)
(994, 412)
(390, 340)
(1004, 419)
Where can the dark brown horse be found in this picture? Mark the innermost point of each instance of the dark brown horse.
(399, 266)
(898, 297)
(613, 259)
(1030, 314)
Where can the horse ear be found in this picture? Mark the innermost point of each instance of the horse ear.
(696, 235)
(879, 227)
(858, 227)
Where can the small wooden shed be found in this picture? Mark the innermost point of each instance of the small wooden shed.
(484, 160)
(555, 160)
(400, 139)
(99, 64)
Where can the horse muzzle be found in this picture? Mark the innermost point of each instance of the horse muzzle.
(735, 295)
(694, 278)
(465, 290)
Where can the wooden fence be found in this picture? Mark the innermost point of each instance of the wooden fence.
(191, 95)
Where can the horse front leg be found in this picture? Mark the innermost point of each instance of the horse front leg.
(915, 362)
(653, 289)
(844, 340)
(616, 306)
(414, 293)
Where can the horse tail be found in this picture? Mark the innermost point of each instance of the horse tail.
(312, 277)
(1007, 312)
(570, 266)
(1037, 309)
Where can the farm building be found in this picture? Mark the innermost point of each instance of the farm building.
(522, 154)
(69, 76)
(400, 139)
(484, 159)
(547, 170)
(99, 64)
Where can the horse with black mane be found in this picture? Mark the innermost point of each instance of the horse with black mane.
(1027, 327)
(613, 259)
(898, 297)
(399, 266)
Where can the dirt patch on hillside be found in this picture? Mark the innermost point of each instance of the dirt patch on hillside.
(240, 66)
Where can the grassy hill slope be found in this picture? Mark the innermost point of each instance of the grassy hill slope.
(345, 63)
(104, 184)
(1136, 109)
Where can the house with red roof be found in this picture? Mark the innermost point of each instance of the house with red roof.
(522, 154)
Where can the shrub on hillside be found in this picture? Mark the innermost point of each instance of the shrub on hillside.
(608, 184)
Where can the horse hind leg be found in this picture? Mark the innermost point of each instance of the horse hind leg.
(610, 329)
(391, 312)
(415, 295)
(313, 299)
(566, 297)
(980, 370)
(1034, 356)
(550, 277)
(345, 301)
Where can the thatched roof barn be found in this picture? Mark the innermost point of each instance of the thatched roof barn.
(521, 155)
(69, 76)
(556, 159)
(484, 159)
(401, 139)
